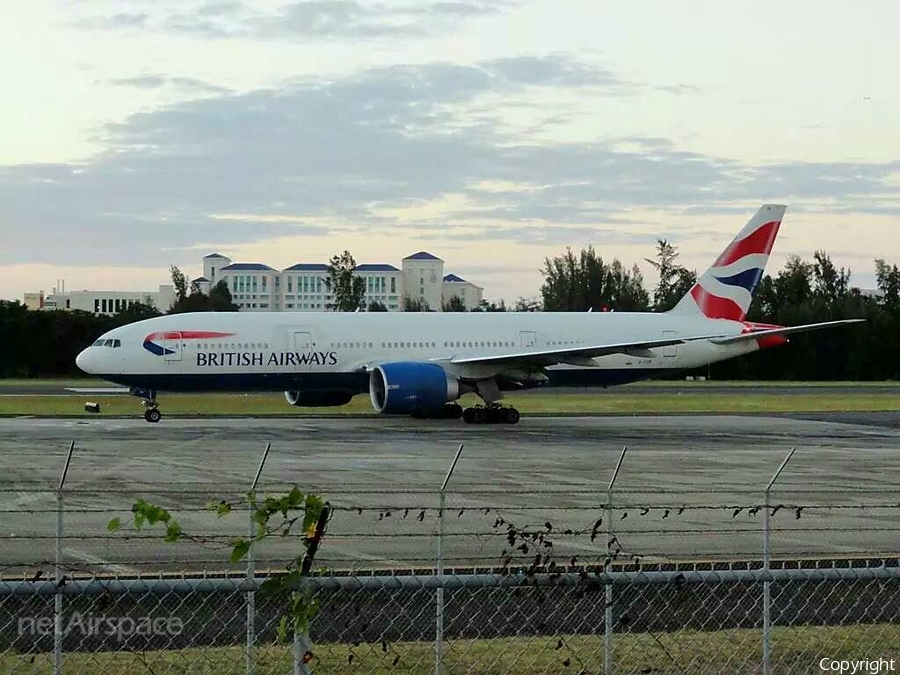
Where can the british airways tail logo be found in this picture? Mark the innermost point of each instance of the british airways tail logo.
(152, 341)
(727, 288)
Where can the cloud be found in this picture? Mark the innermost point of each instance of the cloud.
(117, 21)
(309, 19)
(333, 157)
(535, 70)
(680, 89)
(159, 81)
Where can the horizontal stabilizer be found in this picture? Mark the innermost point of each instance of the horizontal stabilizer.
(787, 330)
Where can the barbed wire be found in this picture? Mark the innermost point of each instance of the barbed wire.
(366, 489)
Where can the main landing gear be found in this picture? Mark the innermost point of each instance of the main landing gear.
(491, 413)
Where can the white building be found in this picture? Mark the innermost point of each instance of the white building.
(257, 287)
(109, 302)
(303, 288)
(470, 294)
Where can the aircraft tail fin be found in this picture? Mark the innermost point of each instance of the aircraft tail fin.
(726, 289)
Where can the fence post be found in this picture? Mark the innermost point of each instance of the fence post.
(57, 600)
(439, 610)
(251, 595)
(767, 593)
(608, 618)
(301, 644)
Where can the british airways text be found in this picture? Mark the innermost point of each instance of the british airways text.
(226, 359)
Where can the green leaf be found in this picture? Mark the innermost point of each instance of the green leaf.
(173, 532)
(114, 525)
(241, 549)
(221, 508)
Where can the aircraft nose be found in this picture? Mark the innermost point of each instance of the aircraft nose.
(83, 361)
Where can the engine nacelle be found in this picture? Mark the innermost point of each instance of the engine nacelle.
(410, 388)
(318, 399)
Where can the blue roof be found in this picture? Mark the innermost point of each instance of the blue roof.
(213, 255)
(421, 255)
(375, 267)
(453, 277)
(307, 267)
(246, 267)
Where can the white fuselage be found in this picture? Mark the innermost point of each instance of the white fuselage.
(225, 351)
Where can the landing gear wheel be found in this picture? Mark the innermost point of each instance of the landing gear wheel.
(152, 415)
(491, 414)
(453, 411)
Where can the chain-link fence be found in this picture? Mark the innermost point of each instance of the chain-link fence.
(648, 621)
(780, 578)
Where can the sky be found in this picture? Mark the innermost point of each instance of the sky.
(494, 134)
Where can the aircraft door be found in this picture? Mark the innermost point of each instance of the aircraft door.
(528, 338)
(172, 346)
(669, 351)
(303, 345)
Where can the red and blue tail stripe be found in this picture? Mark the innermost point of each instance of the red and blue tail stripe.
(726, 289)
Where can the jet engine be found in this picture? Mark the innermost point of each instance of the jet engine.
(318, 399)
(410, 388)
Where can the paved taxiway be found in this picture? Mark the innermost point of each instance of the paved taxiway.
(543, 470)
(100, 389)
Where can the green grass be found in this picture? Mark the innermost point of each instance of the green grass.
(739, 651)
(661, 384)
(610, 402)
(17, 382)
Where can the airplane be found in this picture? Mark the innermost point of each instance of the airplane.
(419, 364)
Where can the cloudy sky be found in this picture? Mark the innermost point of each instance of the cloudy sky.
(492, 133)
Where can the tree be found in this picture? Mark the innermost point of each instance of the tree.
(830, 285)
(888, 279)
(577, 284)
(527, 305)
(410, 304)
(455, 304)
(179, 281)
(674, 282)
(220, 298)
(376, 306)
(624, 290)
(485, 306)
(137, 311)
(347, 289)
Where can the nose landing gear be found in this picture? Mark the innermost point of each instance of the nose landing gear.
(151, 414)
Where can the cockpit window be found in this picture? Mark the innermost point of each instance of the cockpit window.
(117, 343)
(107, 343)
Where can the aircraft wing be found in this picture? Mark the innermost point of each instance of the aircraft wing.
(787, 330)
(580, 354)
